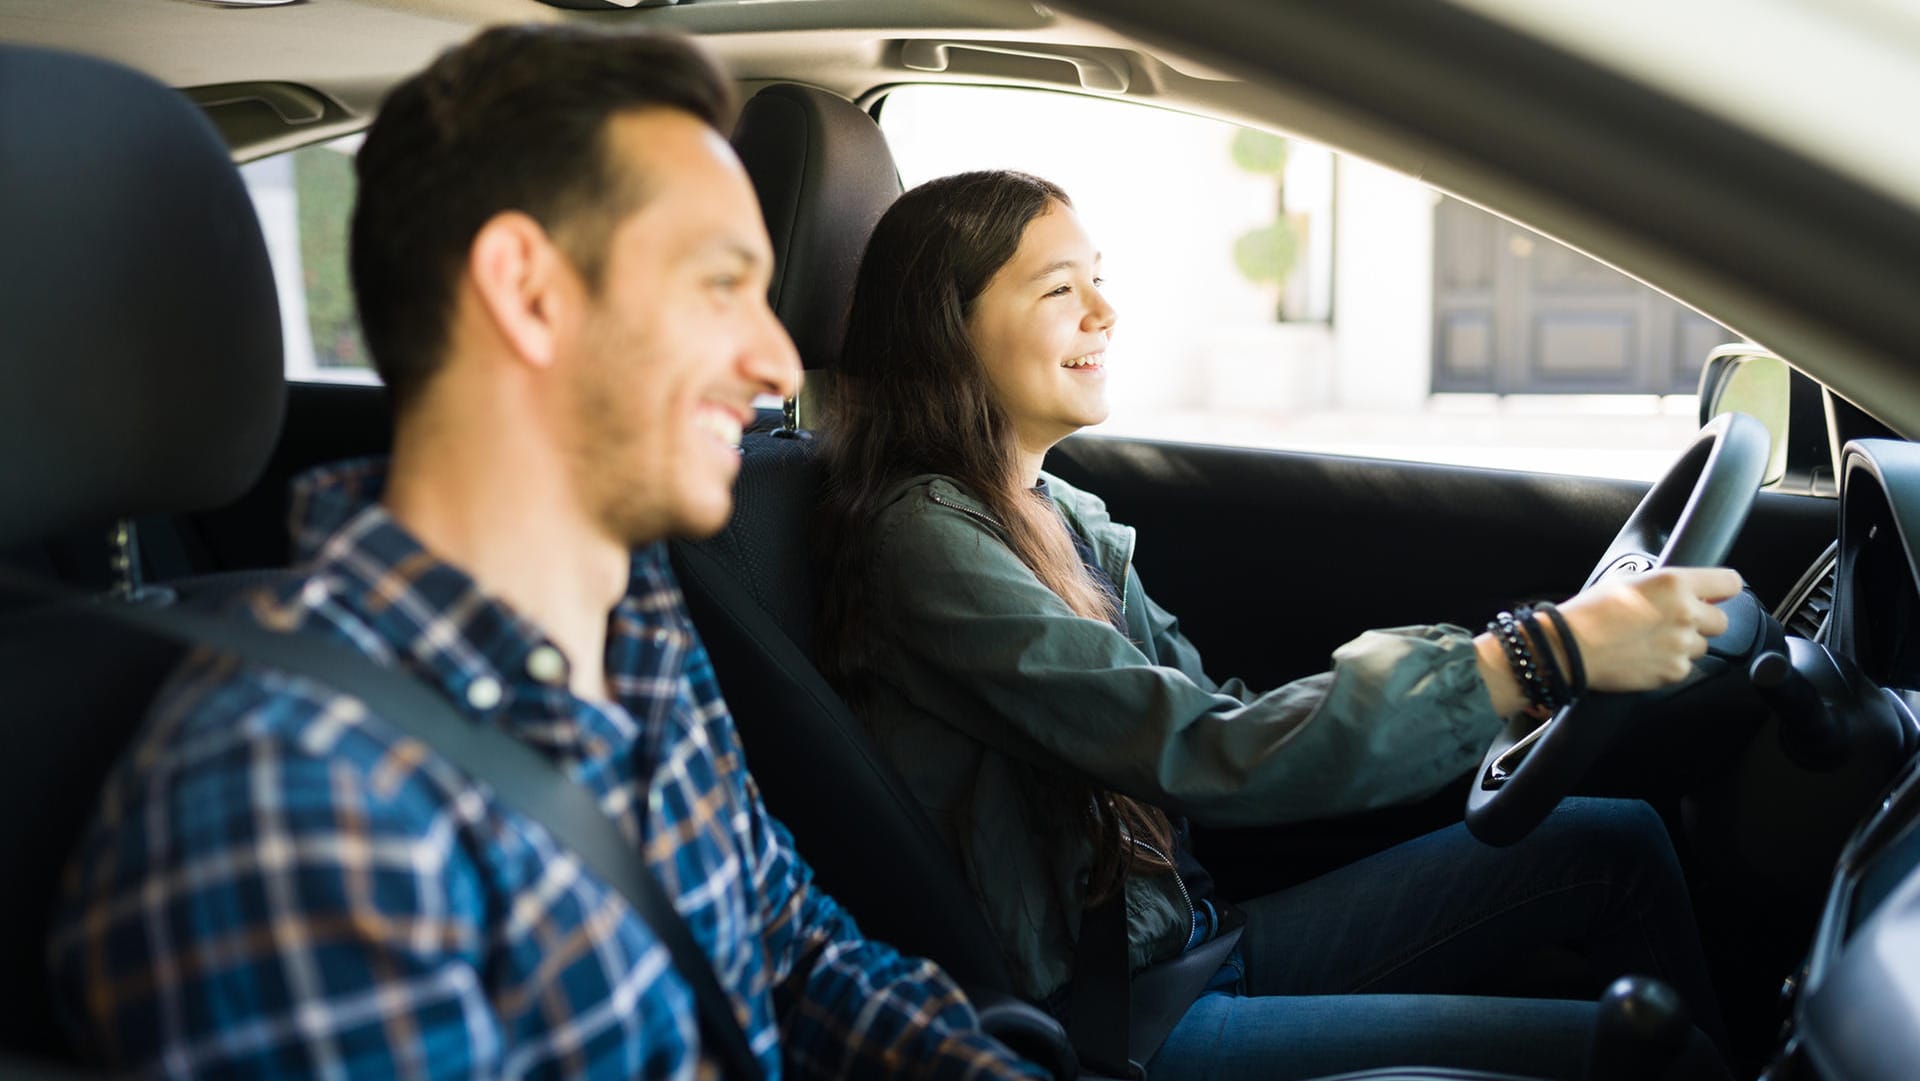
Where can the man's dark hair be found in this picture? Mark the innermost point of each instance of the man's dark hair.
(516, 119)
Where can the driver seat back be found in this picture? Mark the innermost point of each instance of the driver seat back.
(866, 836)
(824, 176)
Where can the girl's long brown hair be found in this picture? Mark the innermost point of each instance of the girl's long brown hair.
(912, 398)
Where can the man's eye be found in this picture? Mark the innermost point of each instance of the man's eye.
(725, 283)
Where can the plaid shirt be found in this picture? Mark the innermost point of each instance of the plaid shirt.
(278, 884)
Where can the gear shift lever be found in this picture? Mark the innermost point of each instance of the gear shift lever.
(1641, 1030)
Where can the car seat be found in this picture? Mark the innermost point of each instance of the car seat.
(824, 176)
(143, 376)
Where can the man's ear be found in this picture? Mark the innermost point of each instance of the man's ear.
(522, 281)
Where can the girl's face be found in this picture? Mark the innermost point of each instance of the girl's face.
(1041, 328)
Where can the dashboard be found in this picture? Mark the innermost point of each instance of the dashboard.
(1855, 1012)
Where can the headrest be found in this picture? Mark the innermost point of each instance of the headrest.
(824, 176)
(140, 363)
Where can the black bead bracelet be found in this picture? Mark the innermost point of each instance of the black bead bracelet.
(1559, 693)
(1526, 669)
(1576, 667)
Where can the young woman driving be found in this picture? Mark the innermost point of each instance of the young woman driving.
(986, 622)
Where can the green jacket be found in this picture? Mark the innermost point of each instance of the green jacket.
(986, 690)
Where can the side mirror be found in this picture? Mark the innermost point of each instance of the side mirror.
(1746, 378)
(1743, 378)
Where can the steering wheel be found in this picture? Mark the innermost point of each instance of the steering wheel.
(1688, 519)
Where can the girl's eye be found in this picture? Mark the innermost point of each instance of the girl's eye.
(1061, 290)
(1099, 282)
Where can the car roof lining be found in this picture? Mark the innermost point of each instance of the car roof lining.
(351, 51)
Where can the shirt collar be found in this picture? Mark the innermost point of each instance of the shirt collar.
(434, 615)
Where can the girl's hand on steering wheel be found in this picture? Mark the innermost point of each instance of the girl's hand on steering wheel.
(1645, 631)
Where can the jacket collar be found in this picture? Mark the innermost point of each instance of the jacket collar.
(1112, 542)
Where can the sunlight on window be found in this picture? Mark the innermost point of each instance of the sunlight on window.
(305, 203)
(1273, 294)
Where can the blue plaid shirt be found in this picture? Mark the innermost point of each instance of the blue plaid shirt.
(278, 884)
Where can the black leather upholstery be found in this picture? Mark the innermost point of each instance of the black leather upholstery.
(824, 176)
(141, 352)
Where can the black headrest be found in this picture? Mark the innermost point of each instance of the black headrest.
(824, 176)
(140, 363)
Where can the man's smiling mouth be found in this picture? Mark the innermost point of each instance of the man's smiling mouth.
(723, 423)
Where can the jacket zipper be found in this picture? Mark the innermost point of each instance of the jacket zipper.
(1177, 881)
(968, 511)
(1132, 539)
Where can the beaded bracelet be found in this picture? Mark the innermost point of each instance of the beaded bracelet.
(1558, 692)
(1526, 671)
(1576, 668)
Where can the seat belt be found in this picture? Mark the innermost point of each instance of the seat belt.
(1118, 1018)
(1098, 1014)
(518, 775)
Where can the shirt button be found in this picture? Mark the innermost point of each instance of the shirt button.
(314, 593)
(483, 693)
(546, 664)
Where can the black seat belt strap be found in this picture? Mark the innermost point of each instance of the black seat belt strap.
(1117, 1018)
(1098, 1015)
(516, 772)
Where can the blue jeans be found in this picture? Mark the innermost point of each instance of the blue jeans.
(1396, 960)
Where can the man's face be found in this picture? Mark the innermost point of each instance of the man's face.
(678, 340)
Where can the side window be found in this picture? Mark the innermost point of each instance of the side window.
(305, 202)
(1275, 294)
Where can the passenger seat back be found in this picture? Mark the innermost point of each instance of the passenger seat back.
(143, 375)
(824, 176)
(750, 591)
(68, 723)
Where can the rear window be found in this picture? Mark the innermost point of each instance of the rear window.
(305, 203)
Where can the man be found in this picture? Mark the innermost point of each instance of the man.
(561, 269)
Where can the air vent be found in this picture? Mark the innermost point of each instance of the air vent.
(1804, 612)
